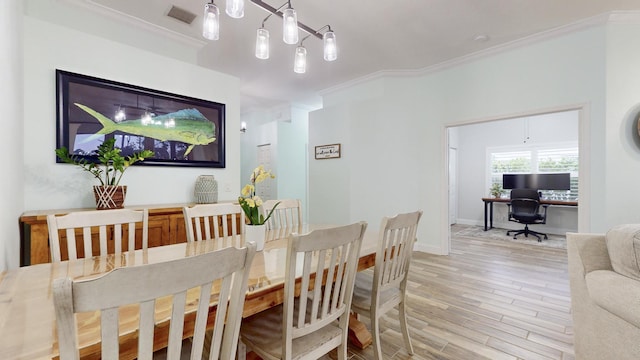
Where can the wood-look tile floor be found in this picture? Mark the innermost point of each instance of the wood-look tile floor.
(489, 299)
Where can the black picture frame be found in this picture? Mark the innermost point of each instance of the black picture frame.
(181, 130)
(331, 151)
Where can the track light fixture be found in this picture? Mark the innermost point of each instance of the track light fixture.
(290, 30)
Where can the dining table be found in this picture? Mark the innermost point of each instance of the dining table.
(27, 317)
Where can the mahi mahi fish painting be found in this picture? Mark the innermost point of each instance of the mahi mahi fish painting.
(181, 130)
(188, 126)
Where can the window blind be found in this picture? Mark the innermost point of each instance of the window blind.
(560, 159)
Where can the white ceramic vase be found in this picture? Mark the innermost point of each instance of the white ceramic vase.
(256, 234)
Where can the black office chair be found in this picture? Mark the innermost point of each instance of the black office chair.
(524, 208)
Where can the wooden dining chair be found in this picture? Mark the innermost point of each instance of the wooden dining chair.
(215, 221)
(317, 324)
(374, 295)
(225, 270)
(112, 227)
(287, 214)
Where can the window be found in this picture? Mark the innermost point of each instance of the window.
(538, 159)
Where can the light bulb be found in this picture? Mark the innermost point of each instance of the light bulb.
(330, 48)
(289, 26)
(211, 23)
(300, 60)
(262, 44)
(235, 8)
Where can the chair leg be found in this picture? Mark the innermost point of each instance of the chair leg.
(342, 352)
(375, 329)
(242, 351)
(526, 231)
(405, 328)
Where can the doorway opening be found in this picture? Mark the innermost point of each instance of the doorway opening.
(470, 147)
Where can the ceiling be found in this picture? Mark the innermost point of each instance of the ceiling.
(372, 36)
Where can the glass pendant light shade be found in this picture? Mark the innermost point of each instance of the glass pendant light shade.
(262, 44)
(300, 60)
(235, 8)
(211, 23)
(330, 48)
(289, 26)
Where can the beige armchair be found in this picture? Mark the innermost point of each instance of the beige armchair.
(604, 274)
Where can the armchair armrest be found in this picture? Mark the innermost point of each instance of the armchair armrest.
(544, 215)
(588, 252)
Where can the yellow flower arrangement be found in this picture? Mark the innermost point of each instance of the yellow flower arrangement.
(250, 202)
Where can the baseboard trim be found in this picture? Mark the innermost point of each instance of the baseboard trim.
(429, 249)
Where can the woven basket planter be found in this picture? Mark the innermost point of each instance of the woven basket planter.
(109, 197)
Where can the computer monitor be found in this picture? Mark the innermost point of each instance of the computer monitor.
(559, 181)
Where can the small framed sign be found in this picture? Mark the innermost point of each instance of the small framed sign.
(328, 151)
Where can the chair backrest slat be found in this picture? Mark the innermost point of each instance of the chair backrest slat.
(322, 256)
(177, 324)
(145, 332)
(288, 213)
(142, 285)
(224, 222)
(395, 246)
(109, 225)
(109, 333)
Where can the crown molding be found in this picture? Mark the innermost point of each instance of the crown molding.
(614, 17)
(136, 22)
(624, 17)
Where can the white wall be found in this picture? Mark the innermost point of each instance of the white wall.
(11, 102)
(378, 171)
(292, 157)
(401, 131)
(329, 179)
(622, 153)
(473, 143)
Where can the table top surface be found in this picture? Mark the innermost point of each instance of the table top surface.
(27, 318)
(542, 201)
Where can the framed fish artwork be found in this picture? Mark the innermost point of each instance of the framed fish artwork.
(180, 130)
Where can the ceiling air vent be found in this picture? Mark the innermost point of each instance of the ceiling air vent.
(181, 14)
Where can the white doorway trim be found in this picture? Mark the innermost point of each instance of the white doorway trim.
(584, 134)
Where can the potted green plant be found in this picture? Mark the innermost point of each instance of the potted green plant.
(250, 203)
(112, 165)
(496, 190)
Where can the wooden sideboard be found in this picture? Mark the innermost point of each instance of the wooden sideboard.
(166, 226)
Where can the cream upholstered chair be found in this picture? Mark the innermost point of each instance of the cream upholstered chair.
(287, 214)
(374, 295)
(143, 285)
(112, 225)
(310, 328)
(215, 221)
